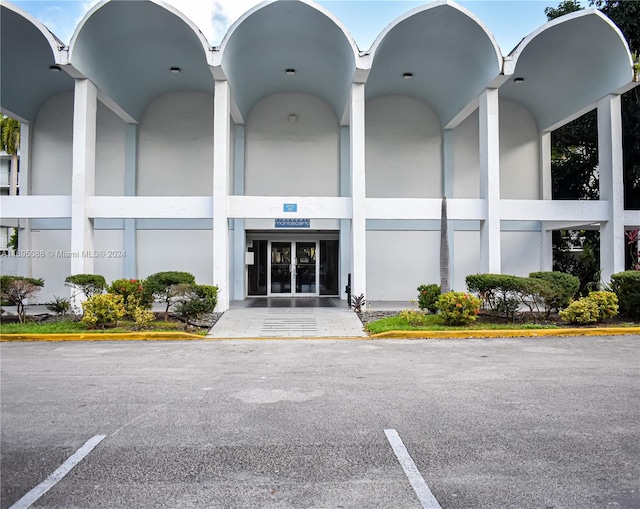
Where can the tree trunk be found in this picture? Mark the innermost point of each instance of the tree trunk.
(445, 285)
(13, 175)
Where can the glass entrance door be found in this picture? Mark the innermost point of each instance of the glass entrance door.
(293, 268)
(280, 267)
(305, 264)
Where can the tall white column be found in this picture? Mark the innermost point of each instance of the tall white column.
(345, 224)
(490, 181)
(221, 158)
(24, 225)
(612, 240)
(239, 234)
(83, 175)
(358, 191)
(546, 241)
(130, 189)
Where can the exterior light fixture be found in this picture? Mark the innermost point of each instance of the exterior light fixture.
(407, 75)
(293, 118)
(54, 68)
(175, 70)
(290, 72)
(518, 80)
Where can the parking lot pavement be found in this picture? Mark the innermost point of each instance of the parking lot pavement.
(518, 423)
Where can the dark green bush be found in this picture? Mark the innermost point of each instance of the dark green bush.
(502, 294)
(559, 291)
(194, 301)
(159, 286)
(88, 284)
(428, 297)
(626, 285)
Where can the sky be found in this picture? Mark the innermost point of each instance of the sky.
(508, 20)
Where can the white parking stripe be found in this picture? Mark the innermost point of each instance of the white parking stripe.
(426, 498)
(58, 474)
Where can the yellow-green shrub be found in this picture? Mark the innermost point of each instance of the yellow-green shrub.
(103, 309)
(143, 317)
(607, 303)
(413, 317)
(458, 308)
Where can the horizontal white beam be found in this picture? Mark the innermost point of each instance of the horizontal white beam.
(27, 207)
(632, 218)
(267, 207)
(579, 211)
(424, 208)
(151, 207)
(555, 212)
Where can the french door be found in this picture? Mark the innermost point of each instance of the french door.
(293, 268)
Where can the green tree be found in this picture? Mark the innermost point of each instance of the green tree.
(575, 153)
(10, 143)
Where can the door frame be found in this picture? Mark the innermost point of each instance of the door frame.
(283, 236)
(293, 268)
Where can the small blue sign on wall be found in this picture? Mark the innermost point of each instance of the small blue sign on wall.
(293, 223)
(290, 207)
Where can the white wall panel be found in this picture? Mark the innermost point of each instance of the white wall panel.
(175, 149)
(185, 250)
(51, 147)
(399, 261)
(520, 252)
(110, 132)
(519, 153)
(466, 164)
(296, 158)
(404, 149)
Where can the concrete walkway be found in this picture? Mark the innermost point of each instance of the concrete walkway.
(242, 320)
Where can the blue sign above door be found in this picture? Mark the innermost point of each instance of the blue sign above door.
(290, 207)
(292, 223)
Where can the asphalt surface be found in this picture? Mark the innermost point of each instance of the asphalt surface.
(505, 423)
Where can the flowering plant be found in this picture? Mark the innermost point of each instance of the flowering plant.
(132, 293)
(458, 308)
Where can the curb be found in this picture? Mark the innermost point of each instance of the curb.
(506, 333)
(118, 336)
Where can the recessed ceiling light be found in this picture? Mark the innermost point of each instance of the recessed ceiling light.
(54, 68)
(290, 72)
(518, 80)
(407, 75)
(175, 70)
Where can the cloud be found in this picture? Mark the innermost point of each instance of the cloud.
(213, 17)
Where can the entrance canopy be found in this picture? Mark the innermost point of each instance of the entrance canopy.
(29, 73)
(561, 70)
(289, 47)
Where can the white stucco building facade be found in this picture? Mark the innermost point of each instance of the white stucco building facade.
(286, 159)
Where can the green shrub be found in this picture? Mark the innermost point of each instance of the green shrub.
(103, 309)
(607, 303)
(428, 296)
(159, 287)
(458, 308)
(626, 286)
(193, 301)
(17, 289)
(582, 311)
(133, 294)
(413, 317)
(88, 284)
(502, 294)
(559, 291)
(59, 305)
